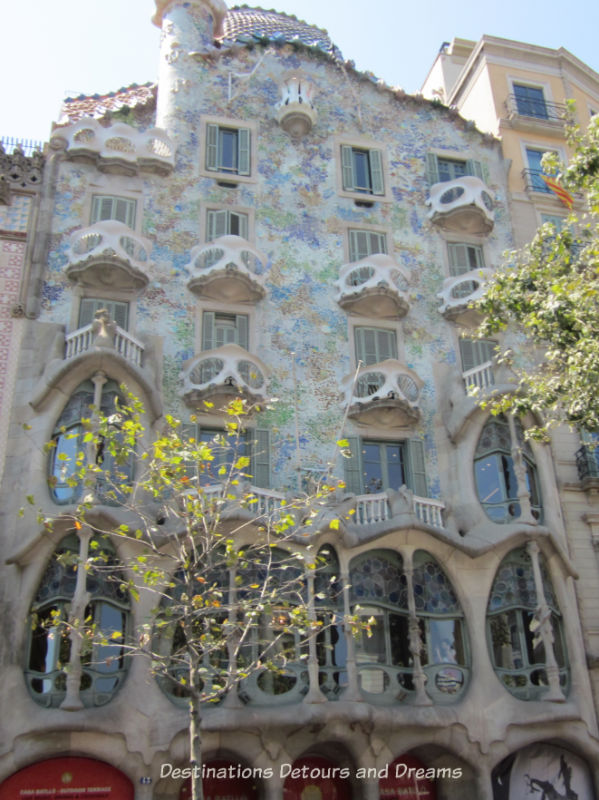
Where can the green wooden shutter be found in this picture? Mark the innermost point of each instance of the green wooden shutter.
(239, 222)
(416, 467)
(243, 338)
(347, 166)
(432, 169)
(468, 354)
(375, 158)
(260, 457)
(386, 344)
(212, 147)
(208, 333)
(243, 151)
(216, 224)
(358, 245)
(118, 311)
(475, 352)
(351, 466)
(474, 168)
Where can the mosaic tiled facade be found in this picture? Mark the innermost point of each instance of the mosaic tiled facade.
(272, 220)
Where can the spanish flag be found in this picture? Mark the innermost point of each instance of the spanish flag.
(563, 195)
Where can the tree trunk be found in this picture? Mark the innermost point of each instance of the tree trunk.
(195, 735)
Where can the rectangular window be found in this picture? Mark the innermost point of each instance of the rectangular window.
(106, 207)
(219, 329)
(530, 101)
(475, 352)
(118, 311)
(374, 345)
(440, 169)
(228, 149)
(222, 222)
(374, 466)
(464, 257)
(535, 170)
(363, 243)
(555, 220)
(253, 443)
(362, 170)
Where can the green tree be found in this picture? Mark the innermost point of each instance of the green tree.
(228, 577)
(548, 295)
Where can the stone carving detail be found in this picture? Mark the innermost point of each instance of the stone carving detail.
(18, 171)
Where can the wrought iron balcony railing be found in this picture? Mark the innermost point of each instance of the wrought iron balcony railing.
(539, 109)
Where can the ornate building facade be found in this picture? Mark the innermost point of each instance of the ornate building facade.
(267, 221)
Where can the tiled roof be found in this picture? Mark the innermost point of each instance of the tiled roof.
(246, 25)
(96, 105)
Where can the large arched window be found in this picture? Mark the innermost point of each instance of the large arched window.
(519, 610)
(68, 454)
(331, 644)
(495, 475)
(49, 658)
(391, 662)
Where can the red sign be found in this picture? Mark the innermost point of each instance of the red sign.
(232, 786)
(316, 778)
(67, 779)
(406, 781)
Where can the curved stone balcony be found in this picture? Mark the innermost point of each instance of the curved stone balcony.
(463, 205)
(119, 149)
(217, 376)
(373, 287)
(384, 394)
(109, 254)
(461, 290)
(228, 269)
(295, 111)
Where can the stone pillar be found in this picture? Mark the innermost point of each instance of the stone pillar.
(314, 694)
(353, 686)
(419, 676)
(520, 473)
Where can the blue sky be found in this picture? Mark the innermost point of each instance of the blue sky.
(54, 49)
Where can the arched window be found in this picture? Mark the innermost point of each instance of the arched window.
(390, 662)
(103, 665)
(515, 616)
(496, 478)
(69, 452)
(331, 645)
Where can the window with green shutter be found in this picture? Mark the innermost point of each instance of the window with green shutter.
(464, 257)
(374, 466)
(118, 311)
(252, 443)
(362, 170)
(440, 169)
(374, 345)
(228, 149)
(475, 352)
(219, 329)
(363, 243)
(222, 222)
(106, 207)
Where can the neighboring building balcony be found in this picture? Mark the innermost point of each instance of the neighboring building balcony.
(461, 290)
(528, 113)
(118, 149)
(109, 253)
(384, 394)
(372, 287)
(372, 509)
(104, 333)
(462, 205)
(295, 111)
(217, 376)
(587, 464)
(228, 270)
(533, 181)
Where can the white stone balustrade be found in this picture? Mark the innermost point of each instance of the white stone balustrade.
(375, 285)
(228, 370)
(429, 511)
(463, 205)
(480, 377)
(296, 113)
(463, 289)
(375, 508)
(119, 148)
(90, 336)
(228, 269)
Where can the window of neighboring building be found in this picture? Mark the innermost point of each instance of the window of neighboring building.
(362, 170)
(374, 466)
(219, 328)
(119, 311)
(494, 472)
(363, 243)
(555, 220)
(530, 101)
(104, 666)
(222, 222)
(384, 659)
(440, 169)
(106, 207)
(535, 170)
(517, 652)
(374, 345)
(228, 149)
